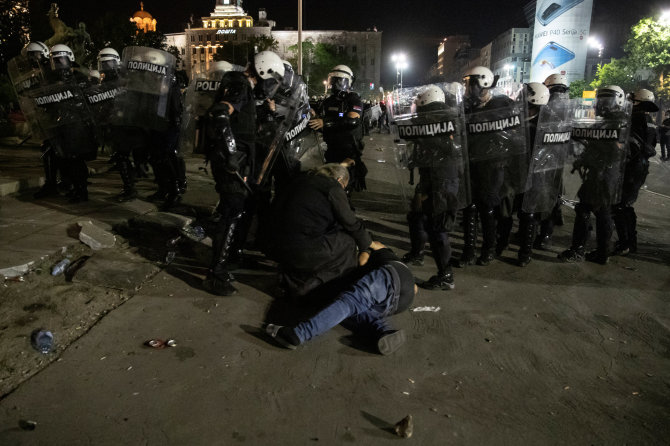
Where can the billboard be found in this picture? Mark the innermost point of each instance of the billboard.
(560, 38)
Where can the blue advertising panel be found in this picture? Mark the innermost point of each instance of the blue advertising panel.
(560, 38)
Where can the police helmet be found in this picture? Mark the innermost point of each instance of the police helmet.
(37, 51)
(62, 57)
(268, 65)
(644, 99)
(155, 57)
(340, 78)
(481, 76)
(537, 93)
(556, 81)
(431, 94)
(108, 60)
(609, 99)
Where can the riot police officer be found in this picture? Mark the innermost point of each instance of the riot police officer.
(489, 153)
(230, 145)
(341, 123)
(435, 202)
(75, 141)
(600, 165)
(641, 147)
(38, 57)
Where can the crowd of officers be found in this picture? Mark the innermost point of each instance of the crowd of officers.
(478, 152)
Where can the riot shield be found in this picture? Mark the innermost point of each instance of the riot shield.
(144, 88)
(549, 156)
(62, 116)
(25, 75)
(432, 137)
(100, 100)
(301, 149)
(599, 144)
(292, 109)
(497, 146)
(199, 98)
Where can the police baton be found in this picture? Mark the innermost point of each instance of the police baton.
(243, 182)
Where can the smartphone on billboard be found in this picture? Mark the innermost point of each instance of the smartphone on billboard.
(553, 55)
(551, 9)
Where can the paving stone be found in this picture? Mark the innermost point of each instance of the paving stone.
(94, 236)
(118, 270)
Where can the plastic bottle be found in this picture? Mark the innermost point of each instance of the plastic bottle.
(43, 341)
(60, 267)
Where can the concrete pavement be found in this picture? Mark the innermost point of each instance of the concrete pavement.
(548, 354)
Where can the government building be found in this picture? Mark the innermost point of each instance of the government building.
(228, 27)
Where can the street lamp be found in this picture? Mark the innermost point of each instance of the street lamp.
(596, 44)
(665, 18)
(400, 64)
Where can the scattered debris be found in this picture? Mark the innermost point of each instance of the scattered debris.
(95, 237)
(405, 427)
(42, 340)
(15, 271)
(27, 425)
(159, 343)
(432, 309)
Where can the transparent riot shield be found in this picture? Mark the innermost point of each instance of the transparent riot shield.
(26, 75)
(428, 124)
(292, 108)
(549, 156)
(144, 88)
(62, 116)
(301, 149)
(100, 99)
(497, 146)
(599, 144)
(198, 99)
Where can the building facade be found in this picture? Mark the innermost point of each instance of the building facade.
(510, 58)
(229, 31)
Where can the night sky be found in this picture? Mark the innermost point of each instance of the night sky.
(414, 27)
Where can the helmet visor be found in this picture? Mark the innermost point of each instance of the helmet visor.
(337, 83)
(108, 65)
(60, 63)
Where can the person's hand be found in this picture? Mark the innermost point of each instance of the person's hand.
(316, 124)
(348, 162)
(376, 245)
(271, 104)
(363, 258)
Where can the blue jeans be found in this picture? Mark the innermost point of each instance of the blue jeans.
(366, 305)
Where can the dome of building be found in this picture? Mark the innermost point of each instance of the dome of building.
(143, 20)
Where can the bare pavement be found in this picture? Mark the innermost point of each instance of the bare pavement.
(548, 354)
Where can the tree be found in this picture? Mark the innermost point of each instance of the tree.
(649, 47)
(14, 25)
(619, 72)
(318, 60)
(577, 88)
(264, 43)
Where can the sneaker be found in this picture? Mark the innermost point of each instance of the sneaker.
(285, 336)
(485, 259)
(597, 256)
(439, 282)
(572, 255)
(390, 341)
(218, 286)
(413, 259)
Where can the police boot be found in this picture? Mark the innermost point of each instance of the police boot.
(503, 232)
(50, 165)
(180, 169)
(632, 228)
(173, 181)
(79, 177)
(160, 178)
(128, 178)
(218, 280)
(543, 239)
(580, 235)
(469, 236)
(417, 237)
(488, 235)
(444, 280)
(620, 217)
(557, 213)
(603, 235)
(527, 229)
